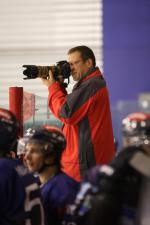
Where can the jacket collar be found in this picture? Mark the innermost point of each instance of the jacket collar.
(91, 73)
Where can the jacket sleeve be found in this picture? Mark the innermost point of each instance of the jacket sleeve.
(71, 108)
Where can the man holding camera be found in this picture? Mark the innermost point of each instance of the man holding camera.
(85, 114)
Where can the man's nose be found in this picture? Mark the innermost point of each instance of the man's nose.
(27, 155)
(72, 67)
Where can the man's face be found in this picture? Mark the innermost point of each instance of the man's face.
(34, 158)
(78, 66)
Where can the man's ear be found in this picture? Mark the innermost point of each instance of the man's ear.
(147, 149)
(49, 160)
(89, 63)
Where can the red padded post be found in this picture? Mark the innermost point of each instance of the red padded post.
(16, 104)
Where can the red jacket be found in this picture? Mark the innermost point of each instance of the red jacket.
(87, 123)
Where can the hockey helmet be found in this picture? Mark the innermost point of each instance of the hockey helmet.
(136, 129)
(9, 130)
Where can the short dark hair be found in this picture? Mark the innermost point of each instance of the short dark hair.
(86, 53)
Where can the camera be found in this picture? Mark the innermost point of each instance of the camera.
(61, 69)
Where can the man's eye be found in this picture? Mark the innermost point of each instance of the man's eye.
(30, 151)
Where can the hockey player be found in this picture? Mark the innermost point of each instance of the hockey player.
(43, 154)
(19, 193)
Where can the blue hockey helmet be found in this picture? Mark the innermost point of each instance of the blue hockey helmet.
(51, 139)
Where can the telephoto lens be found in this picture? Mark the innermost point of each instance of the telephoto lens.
(31, 72)
(61, 69)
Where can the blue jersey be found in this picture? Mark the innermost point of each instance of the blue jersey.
(110, 193)
(57, 193)
(20, 202)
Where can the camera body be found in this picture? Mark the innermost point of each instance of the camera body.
(61, 69)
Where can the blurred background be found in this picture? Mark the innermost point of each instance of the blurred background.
(41, 32)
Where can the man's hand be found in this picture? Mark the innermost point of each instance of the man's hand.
(50, 79)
